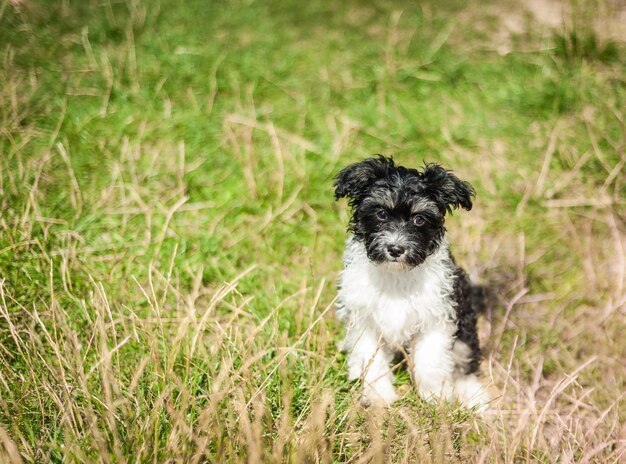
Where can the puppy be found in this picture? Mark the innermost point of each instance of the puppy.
(401, 289)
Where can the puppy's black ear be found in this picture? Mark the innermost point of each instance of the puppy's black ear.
(355, 180)
(446, 188)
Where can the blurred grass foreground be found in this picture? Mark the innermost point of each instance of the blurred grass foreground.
(169, 244)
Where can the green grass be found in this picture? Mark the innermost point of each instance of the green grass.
(169, 242)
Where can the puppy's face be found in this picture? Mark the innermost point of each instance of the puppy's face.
(398, 213)
(397, 224)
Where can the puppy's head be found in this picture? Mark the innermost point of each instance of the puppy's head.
(398, 213)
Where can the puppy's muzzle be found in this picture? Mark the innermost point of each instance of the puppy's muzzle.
(395, 251)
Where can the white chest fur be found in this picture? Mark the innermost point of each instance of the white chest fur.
(396, 304)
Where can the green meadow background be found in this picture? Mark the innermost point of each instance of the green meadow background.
(169, 243)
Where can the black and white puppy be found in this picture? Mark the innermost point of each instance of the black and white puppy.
(401, 289)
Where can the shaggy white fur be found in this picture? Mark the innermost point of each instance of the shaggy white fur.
(387, 307)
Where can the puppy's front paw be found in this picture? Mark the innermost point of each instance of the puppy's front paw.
(472, 394)
(433, 392)
(379, 394)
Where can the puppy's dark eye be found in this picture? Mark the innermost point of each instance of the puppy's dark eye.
(381, 214)
(419, 221)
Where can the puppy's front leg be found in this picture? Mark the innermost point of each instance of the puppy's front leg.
(433, 364)
(370, 360)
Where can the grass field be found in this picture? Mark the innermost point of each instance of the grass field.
(169, 243)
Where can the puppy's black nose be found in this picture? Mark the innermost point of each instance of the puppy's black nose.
(395, 250)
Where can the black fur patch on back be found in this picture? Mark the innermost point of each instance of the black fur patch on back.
(467, 308)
